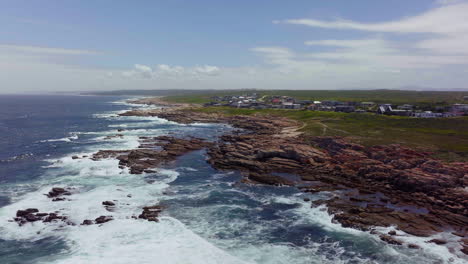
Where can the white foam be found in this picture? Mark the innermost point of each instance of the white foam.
(74, 136)
(142, 242)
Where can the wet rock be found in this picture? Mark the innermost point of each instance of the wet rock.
(58, 191)
(392, 233)
(21, 213)
(33, 215)
(269, 179)
(108, 203)
(413, 246)
(151, 213)
(464, 249)
(87, 222)
(75, 157)
(152, 153)
(103, 219)
(31, 218)
(390, 240)
(53, 217)
(437, 241)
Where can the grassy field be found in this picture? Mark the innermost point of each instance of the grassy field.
(446, 137)
(419, 98)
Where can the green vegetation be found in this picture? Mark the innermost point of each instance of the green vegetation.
(419, 98)
(446, 137)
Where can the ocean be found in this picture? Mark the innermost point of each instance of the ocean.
(208, 216)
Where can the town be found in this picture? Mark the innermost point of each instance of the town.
(256, 101)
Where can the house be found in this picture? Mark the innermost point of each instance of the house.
(385, 109)
(401, 112)
(427, 114)
(367, 104)
(326, 108)
(405, 107)
(330, 103)
(276, 100)
(459, 109)
(344, 108)
(305, 102)
(290, 105)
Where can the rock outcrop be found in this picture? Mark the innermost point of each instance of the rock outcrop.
(152, 153)
(33, 215)
(389, 185)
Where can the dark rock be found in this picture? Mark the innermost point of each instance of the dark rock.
(42, 214)
(103, 219)
(151, 213)
(437, 241)
(269, 179)
(108, 203)
(392, 233)
(87, 222)
(390, 240)
(21, 213)
(58, 191)
(31, 218)
(413, 246)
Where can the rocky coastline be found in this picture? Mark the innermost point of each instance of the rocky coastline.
(392, 186)
(380, 186)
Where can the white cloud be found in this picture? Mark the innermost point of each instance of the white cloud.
(448, 2)
(207, 70)
(450, 19)
(347, 43)
(171, 72)
(48, 51)
(444, 43)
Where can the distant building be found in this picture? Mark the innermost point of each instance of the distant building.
(330, 103)
(401, 112)
(427, 114)
(385, 109)
(344, 108)
(459, 109)
(367, 104)
(405, 107)
(290, 105)
(276, 100)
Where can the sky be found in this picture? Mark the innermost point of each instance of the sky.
(65, 45)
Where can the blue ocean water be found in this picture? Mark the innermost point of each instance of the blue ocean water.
(209, 216)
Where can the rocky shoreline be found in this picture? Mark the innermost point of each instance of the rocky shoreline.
(386, 186)
(391, 186)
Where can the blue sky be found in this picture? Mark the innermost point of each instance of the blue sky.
(89, 45)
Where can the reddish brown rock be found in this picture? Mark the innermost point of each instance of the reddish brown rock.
(417, 193)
